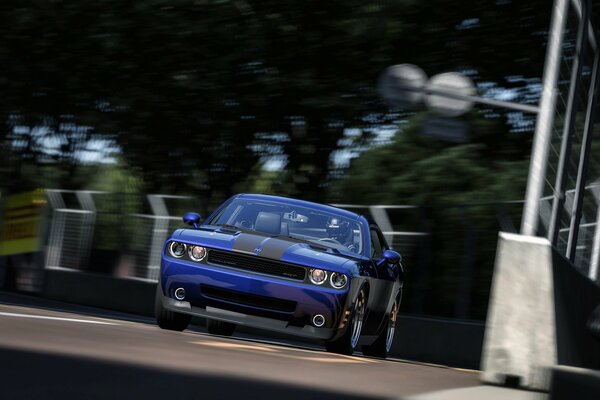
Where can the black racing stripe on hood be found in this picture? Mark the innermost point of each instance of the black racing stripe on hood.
(265, 246)
(274, 248)
(247, 242)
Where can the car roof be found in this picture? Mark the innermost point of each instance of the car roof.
(300, 203)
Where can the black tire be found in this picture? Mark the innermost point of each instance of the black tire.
(167, 319)
(220, 327)
(382, 345)
(346, 344)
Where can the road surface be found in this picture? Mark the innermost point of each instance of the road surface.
(54, 350)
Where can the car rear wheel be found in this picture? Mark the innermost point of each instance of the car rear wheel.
(346, 344)
(167, 319)
(383, 344)
(220, 327)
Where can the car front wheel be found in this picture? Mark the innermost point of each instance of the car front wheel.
(346, 344)
(383, 344)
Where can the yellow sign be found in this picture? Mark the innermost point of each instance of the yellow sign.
(21, 223)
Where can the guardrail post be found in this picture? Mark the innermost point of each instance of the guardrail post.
(382, 219)
(57, 228)
(88, 224)
(159, 234)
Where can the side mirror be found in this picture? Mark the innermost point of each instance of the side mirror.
(389, 257)
(192, 218)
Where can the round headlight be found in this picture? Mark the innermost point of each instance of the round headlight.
(197, 253)
(177, 249)
(317, 276)
(338, 281)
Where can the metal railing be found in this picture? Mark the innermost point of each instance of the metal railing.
(98, 232)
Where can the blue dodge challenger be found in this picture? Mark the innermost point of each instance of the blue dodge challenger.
(283, 265)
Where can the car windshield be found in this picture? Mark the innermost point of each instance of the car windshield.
(279, 219)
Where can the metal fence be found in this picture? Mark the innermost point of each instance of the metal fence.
(106, 232)
(71, 230)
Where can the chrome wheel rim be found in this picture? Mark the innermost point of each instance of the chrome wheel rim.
(391, 326)
(357, 321)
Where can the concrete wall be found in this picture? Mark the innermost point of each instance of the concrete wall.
(449, 342)
(574, 383)
(102, 291)
(434, 340)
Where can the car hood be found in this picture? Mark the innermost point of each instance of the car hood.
(276, 248)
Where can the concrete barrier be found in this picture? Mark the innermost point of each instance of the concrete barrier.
(443, 341)
(102, 291)
(539, 307)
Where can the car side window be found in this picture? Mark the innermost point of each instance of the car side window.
(376, 249)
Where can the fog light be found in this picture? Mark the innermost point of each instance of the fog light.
(180, 293)
(177, 249)
(197, 253)
(338, 280)
(318, 320)
(317, 276)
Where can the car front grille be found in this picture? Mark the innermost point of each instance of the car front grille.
(246, 299)
(256, 264)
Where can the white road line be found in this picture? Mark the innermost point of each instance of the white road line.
(85, 321)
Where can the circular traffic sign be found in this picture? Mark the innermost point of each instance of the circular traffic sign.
(451, 82)
(402, 85)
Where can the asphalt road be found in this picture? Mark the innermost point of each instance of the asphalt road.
(56, 351)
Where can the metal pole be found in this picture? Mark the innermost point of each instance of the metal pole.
(545, 119)
(509, 105)
(578, 6)
(569, 128)
(593, 272)
(583, 161)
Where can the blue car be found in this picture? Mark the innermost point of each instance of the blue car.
(283, 265)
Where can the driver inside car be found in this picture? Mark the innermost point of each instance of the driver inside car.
(341, 232)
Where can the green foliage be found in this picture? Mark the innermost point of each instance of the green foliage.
(415, 169)
(119, 195)
(115, 178)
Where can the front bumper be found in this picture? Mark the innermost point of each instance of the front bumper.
(304, 300)
(237, 318)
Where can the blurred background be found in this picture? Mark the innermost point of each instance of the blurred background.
(117, 117)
